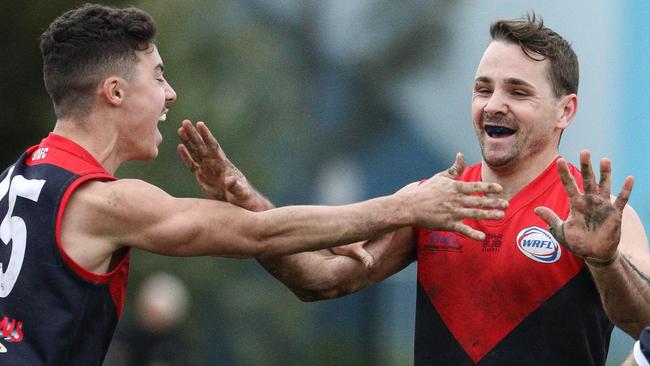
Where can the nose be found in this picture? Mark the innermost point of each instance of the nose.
(496, 104)
(170, 94)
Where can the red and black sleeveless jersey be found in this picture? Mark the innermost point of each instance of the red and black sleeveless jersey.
(516, 298)
(52, 311)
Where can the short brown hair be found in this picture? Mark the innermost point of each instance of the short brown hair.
(537, 40)
(87, 44)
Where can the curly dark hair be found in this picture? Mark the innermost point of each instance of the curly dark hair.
(87, 44)
(539, 43)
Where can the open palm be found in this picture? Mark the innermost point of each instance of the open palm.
(593, 228)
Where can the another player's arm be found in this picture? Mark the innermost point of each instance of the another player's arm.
(610, 237)
(327, 274)
(324, 274)
(318, 274)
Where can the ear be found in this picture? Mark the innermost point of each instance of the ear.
(567, 109)
(113, 90)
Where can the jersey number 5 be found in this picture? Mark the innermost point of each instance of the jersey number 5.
(13, 228)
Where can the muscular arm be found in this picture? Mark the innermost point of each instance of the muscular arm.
(104, 216)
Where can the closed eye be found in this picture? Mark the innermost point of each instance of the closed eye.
(482, 91)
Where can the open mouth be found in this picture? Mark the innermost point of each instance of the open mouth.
(498, 131)
(163, 116)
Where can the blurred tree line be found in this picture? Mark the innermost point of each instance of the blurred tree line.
(282, 97)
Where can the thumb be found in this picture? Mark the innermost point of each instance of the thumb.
(235, 187)
(547, 215)
(555, 224)
(457, 168)
(364, 256)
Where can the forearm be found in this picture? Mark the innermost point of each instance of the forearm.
(257, 201)
(625, 293)
(293, 229)
(324, 275)
(318, 275)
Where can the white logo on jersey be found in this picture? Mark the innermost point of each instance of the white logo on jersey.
(539, 245)
(13, 228)
(40, 153)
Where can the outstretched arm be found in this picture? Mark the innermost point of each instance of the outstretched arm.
(609, 236)
(318, 274)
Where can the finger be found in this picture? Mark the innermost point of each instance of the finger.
(360, 253)
(468, 231)
(210, 141)
(181, 134)
(186, 157)
(479, 214)
(484, 202)
(588, 177)
(235, 187)
(569, 183)
(624, 195)
(605, 184)
(555, 224)
(181, 130)
(457, 168)
(184, 133)
(478, 187)
(194, 143)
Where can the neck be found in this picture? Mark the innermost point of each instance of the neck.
(514, 177)
(97, 138)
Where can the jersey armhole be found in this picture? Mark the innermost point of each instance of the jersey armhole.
(78, 269)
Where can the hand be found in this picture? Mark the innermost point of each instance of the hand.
(593, 228)
(442, 203)
(356, 251)
(218, 178)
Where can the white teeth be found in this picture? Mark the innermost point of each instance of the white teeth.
(163, 117)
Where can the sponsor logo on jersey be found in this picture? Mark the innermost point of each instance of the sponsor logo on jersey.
(539, 245)
(445, 242)
(492, 243)
(12, 332)
(40, 153)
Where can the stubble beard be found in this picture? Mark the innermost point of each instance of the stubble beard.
(501, 160)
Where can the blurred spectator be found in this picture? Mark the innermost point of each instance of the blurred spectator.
(155, 337)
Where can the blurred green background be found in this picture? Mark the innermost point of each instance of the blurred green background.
(316, 102)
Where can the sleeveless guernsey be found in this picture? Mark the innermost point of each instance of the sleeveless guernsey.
(516, 298)
(52, 311)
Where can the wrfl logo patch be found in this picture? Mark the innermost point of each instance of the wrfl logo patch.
(539, 245)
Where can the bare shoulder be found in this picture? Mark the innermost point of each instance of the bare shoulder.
(114, 196)
(103, 210)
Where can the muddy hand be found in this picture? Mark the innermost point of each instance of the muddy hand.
(442, 203)
(216, 175)
(593, 228)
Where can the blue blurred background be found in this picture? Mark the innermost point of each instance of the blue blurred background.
(334, 101)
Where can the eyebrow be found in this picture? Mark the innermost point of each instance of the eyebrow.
(508, 81)
(515, 81)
